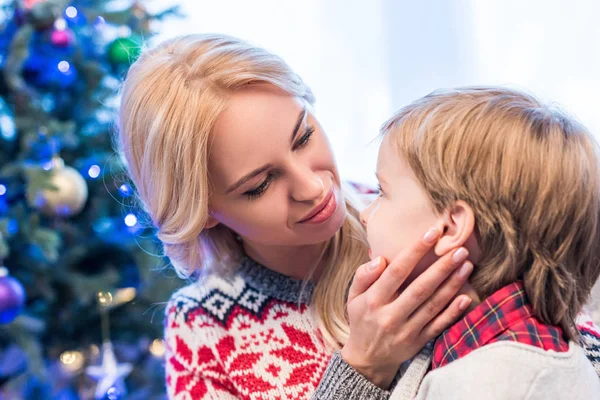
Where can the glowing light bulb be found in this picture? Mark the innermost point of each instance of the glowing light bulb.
(64, 66)
(130, 220)
(94, 171)
(105, 298)
(157, 348)
(72, 361)
(71, 12)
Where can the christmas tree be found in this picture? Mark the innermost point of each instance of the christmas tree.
(81, 280)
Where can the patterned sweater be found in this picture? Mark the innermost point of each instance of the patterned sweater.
(252, 335)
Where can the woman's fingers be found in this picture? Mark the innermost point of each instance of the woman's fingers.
(425, 285)
(386, 287)
(429, 310)
(382, 333)
(364, 277)
(444, 320)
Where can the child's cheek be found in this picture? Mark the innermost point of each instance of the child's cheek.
(375, 230)
(375, 207)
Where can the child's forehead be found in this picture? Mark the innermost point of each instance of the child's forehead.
(390, 162)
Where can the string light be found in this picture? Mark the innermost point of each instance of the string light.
(60, 24)
(2, 190)
(94, 171)
(72, 361)
(130, 220)
(64, 66)
(71, 12)
(125, 190)
(105, 298)
(157, 348)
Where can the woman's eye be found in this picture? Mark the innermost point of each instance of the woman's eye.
(303, 141)
(260, 189)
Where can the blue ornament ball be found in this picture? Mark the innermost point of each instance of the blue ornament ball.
(12, 299)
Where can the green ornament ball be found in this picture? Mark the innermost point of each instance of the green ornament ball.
(124, 50)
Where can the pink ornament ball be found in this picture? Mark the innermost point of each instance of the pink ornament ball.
(61, 38)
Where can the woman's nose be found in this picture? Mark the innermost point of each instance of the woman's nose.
(307, 186)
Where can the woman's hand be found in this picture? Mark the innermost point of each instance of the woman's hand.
(388, 328)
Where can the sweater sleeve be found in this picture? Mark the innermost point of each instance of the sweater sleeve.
(508, 370)
(192, 369)
(341, 381)
(590, 339)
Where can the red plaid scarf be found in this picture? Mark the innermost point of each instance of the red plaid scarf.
(505, 315)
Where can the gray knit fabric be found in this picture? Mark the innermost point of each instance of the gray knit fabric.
(274, 284)
(413, 373)
(342, 382)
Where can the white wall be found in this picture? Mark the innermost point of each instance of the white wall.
(339, 49)
(363, 59)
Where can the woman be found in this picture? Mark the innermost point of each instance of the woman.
(239, 178)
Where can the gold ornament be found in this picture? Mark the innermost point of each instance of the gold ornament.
(70, 194)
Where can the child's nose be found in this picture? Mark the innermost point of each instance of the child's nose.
(364, 216)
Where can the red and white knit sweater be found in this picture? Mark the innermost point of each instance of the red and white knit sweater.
(247, 336)
(252, 336)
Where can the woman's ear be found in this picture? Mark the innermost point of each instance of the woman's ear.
(211, 222)
(458, 225)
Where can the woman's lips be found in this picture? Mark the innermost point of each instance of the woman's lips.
(323, 211)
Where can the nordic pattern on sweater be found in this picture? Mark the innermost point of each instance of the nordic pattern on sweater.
(228, 339)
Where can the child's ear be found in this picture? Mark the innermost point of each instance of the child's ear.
(458, 225)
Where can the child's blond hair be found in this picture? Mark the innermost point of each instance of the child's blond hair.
(530, 173)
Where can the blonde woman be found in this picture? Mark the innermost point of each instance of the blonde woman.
(236, 173)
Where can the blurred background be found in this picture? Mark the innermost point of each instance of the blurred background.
(82, 287)
(366, 60)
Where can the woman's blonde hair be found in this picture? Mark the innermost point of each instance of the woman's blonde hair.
(530, 173)
(171, 99)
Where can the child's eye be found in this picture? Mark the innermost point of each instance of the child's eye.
(380, 194)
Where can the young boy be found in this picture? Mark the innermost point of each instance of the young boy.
(517, 183)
